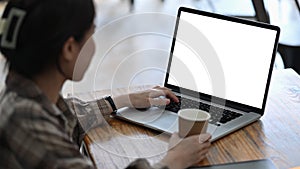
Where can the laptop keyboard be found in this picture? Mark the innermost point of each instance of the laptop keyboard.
(218, 115)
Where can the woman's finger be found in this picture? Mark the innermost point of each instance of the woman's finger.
(204, 137)
(157, 92)
(159, 101)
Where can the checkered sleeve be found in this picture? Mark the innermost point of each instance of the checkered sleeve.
(88, 116)
(144, 164)
(39, 140)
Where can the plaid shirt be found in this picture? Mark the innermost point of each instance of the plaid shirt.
(34, 133)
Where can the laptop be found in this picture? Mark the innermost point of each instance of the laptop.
(219, 64)
(253, 164)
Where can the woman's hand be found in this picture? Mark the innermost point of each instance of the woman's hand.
(157, 96)
(185, 152)
(182, 152)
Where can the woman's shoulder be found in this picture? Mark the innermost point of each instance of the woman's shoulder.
(14, 107)
(11, 102)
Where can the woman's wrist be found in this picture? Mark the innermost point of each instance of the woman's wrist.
(172, 162)
(160, 165)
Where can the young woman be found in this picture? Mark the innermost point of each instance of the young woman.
(41, 41)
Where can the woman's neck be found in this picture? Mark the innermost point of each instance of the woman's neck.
(50, 82)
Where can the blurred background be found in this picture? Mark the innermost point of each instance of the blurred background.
(110, 21)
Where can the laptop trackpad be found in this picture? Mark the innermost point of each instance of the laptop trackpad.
(155, 118)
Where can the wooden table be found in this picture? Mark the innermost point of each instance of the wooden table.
(275, 136)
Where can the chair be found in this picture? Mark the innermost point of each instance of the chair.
(298, 5)
(289, 43)
(261, 13)
(132, 4)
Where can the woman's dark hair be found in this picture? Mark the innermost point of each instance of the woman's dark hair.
(46, 26)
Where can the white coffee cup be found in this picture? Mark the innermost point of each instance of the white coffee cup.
(192, 122)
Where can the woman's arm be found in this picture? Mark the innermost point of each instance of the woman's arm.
(157, 96)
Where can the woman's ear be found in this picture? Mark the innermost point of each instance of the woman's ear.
(68, 57)
(70, 50)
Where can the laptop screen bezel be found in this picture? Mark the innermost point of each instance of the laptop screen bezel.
(206, 97)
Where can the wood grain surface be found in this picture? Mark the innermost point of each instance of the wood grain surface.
(275, 136)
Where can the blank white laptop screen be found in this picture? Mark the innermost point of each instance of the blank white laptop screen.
(244, 53)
